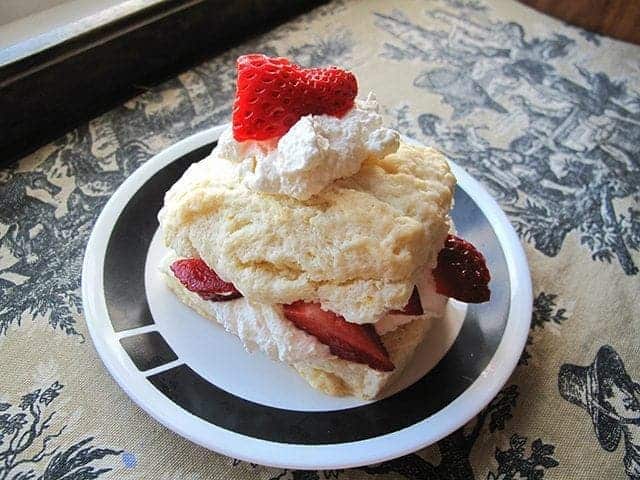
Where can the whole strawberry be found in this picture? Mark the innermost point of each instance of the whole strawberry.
(272, 94)
(461, 272)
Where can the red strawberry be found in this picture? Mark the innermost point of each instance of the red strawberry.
(197, 277)
(273, 93)
(349, 341)
(413, 307)
(461, 272)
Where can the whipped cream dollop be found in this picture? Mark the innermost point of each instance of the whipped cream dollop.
(315, 152)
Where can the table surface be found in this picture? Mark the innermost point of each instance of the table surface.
(545, 115)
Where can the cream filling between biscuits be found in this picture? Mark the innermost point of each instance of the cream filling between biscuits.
(264, 327)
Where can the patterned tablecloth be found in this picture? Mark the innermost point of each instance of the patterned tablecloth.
(546, 116)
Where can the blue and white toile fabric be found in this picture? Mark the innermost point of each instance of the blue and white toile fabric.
(545, 115)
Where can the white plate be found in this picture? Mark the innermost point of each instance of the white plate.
(198, 381)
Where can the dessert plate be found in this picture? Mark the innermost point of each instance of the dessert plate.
(197, 380)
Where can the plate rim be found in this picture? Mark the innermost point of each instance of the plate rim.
(284, 455)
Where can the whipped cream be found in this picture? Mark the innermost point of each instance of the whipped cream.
(315, 152)
(264, 327)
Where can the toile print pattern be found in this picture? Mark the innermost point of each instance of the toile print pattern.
(576, 151)
(606, 391)
(553, 134)
(31, 446)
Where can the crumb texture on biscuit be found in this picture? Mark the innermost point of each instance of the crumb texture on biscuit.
(356, 247)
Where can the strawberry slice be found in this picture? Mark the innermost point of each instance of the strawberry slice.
(413, 307)
(272, 94)
(349, 341)
(197, 277)
(462, 272)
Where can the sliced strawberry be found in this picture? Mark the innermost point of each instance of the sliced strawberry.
(197, 277)
(349, 341)
(462, 272)
(273, 93)
(413, 307)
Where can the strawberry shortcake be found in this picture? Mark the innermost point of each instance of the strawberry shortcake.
(315, 234)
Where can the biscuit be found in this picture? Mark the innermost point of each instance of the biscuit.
(356, 247)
